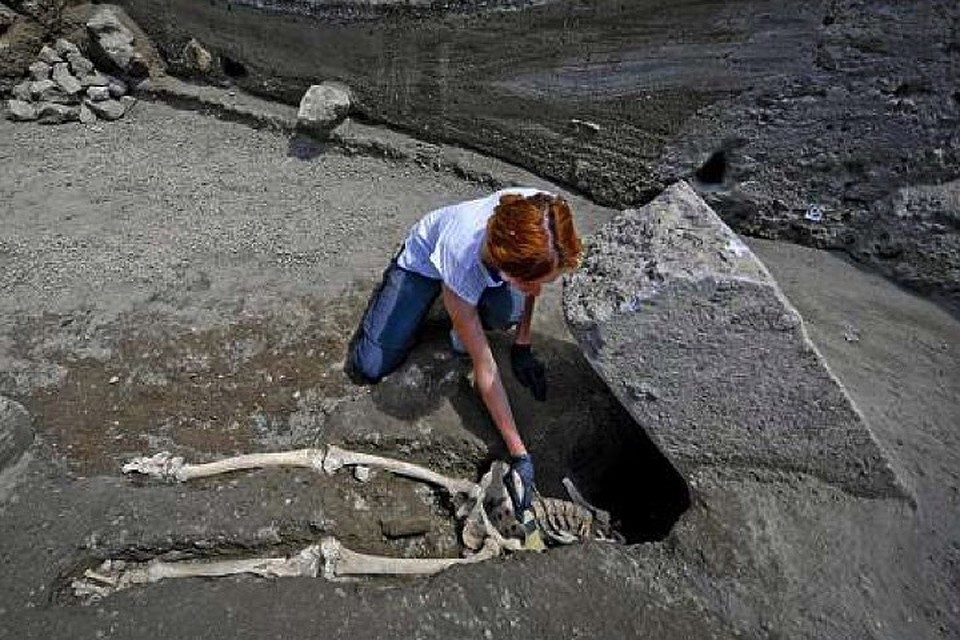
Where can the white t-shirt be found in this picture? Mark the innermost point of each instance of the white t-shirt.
(445, 245)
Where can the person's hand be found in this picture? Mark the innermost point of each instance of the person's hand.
(519, 483)
(529, 370)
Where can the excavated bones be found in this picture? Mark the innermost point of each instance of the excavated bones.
(489, 525)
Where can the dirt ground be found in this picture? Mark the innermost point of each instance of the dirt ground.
(171, 281)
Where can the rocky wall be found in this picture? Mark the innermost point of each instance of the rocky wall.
(814, 113)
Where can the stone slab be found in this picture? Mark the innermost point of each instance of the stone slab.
(694, 337)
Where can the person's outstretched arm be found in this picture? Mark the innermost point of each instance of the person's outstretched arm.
(466, 322)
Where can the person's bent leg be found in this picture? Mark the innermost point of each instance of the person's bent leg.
(387, 331)
(500, 307)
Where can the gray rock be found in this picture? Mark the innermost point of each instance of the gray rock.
(38, 87)
(111, 40)
(20, 110)
(95, 80)
(7, 17)
(107, 109)
(80, 65)
(98, 94)
(62, 76)
(694, 337)
(118, 87)
(323, 106)
(195, 58)
(22, 91)
(65, 48)
(40, 70)
(55, 113)
(49, 91)
(86, 115)
(49, 55)
(16, 431)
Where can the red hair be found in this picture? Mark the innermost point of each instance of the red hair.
(528, 237)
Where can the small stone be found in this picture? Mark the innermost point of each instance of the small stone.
(127, 102)
(107, 109)
(94, 80)
(21, 111)
(80, 65)
(22, 91)
(40, 70)
(49, 55)
(361, 473)
(40, 87)
(54, 113)
(86, 115)
(16, 431)
(64, 79)
(64, 47)
(196, 57)
(114, 380)
(118, 88)
(323, 106)
(98, 94)
(405, 527)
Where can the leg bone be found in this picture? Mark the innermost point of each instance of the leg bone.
(167, 467)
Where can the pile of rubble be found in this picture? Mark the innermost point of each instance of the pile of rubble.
(65, 86)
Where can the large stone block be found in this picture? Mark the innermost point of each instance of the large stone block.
(697, 341)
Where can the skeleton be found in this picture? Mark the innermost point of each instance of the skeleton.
(490, 527)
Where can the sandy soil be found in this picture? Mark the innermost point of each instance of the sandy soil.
(198, 262)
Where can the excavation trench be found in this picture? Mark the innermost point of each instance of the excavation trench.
(225, 350)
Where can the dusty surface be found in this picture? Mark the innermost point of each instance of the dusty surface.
(195, 263)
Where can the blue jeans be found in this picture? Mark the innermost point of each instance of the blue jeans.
(389, 326)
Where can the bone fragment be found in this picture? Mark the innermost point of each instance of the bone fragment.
(337, 458)
(164, 466)
(577, 498)
(342, 562)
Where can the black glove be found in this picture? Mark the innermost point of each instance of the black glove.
(529, 370)
(519, 483)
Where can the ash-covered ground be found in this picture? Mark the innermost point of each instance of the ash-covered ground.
(172, 281)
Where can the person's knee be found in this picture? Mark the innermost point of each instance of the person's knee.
(366, 362)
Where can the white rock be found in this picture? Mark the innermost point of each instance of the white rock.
(40, 70)
(95, 80)
(80, 65)
(196, 57)
(106, 109)
(118, 87)
(65, 48)
(86, 115)
(98, 94)
(64, 79)
(49, 56)
(323, 106)
(110, 38)
(20, 111)
(22, 91)
(127, 102)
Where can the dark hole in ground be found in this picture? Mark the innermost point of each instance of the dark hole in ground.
(232, 68)
(581, 432)
(714, 170)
